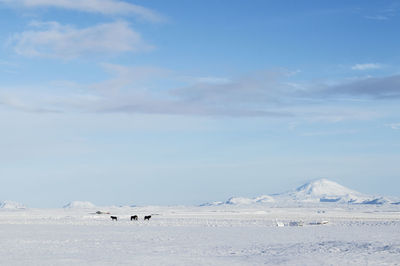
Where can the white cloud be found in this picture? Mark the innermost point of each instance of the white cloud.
(255, 89)
(395, 126)
(384, 14)
(150, 90)
(51, 39)
(145, 90)
(8, 67)
(329, 133)
(387, 87)
(134, 73)
(6, 63)
(129, 77)
(105, 7)
(25, 102)
(367, 66)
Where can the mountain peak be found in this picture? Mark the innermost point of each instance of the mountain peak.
(317, 191)
(324, 187)
(324, 190)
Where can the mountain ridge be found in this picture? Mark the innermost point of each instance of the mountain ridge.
(9, 204)
(316, 191)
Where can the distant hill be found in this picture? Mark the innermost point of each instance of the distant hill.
(317, 191)
(79, 205)
(7, 204)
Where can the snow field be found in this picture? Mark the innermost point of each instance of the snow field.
(200, 236)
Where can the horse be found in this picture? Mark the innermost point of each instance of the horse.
(147, 217)
(114, 218)
(134, 217)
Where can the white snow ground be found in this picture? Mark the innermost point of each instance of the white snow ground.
(210, 235)
(340, 226)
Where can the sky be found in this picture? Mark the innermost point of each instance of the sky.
(185, 102)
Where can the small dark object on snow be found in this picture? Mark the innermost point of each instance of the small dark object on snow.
(147, 217)
(114, 218)
(134, 217)
(102, 212)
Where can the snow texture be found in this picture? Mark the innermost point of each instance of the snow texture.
(306, 226)
(214, 235)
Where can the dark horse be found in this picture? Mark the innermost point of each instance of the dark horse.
(147, 217)
(134, 217)
(114, 218)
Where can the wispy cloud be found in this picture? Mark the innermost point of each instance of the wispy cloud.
(7, 63)
(51, 39)
(8, 67)
(211, 80)
(258, 88)
(105, 7)
(128, 91)
(148, 90)
(129, 78)
(329, 133)
(372, 87)
(367, 66)
(395, 126)
(210, 96)
(385, 13)
(377, 17)
(19, 102)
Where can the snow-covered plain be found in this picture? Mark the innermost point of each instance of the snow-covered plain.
(220, 234)
(215, 235)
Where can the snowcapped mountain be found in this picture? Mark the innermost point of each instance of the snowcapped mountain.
(79, 205)
(7, 204)
(317, 191)
(323, 190)
(242, 201)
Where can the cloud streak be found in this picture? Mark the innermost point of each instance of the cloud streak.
(367, 66)
(266, 93)
(129, 90)
(377, 17)
(395, 126)
(373, 87)
(257, 88)
(105, 7)
(51, 39)
(207, 97)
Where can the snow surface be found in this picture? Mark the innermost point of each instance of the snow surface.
(309, 225)
(213, 235)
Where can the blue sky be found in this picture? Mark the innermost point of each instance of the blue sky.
(184, 102)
